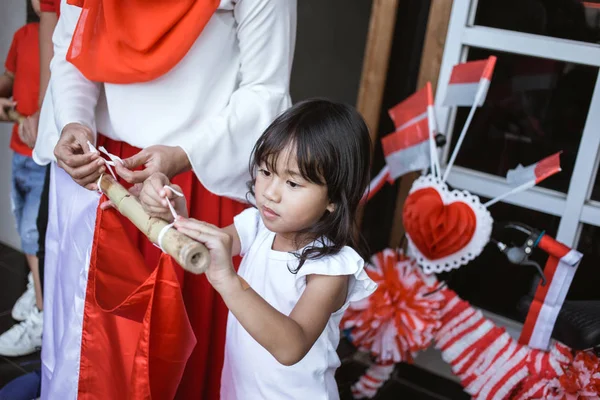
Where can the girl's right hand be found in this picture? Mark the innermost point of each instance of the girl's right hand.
(154, 195)
(219, 243)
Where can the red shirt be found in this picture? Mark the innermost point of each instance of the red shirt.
(50, 6)
(24, 62)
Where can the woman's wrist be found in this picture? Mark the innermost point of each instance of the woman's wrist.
(183, 162)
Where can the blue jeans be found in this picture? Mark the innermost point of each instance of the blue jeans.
(27, 185)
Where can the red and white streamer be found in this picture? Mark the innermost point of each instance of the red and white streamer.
(559, 271)
(372, 380)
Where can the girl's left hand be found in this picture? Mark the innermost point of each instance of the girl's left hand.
(218, 243)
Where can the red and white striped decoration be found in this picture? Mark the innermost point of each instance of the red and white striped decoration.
(371, 381)
(490, 364)
(400, 318)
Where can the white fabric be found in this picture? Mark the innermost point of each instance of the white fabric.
(214, 104)
(249, 371)
(71, 222)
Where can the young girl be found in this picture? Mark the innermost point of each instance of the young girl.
(299, 272)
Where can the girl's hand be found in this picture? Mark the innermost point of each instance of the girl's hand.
(220, 273)
(154, 195)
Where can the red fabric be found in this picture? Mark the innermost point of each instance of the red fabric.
(437, 229)
(23, 61)
(135, 41)
(137, 337)
(205, 309)
(50, 6)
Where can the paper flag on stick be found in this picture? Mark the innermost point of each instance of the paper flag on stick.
(469, 84)
(527, 177)
(414, 115)
(408, 149)
(536, 172)
(377, 183)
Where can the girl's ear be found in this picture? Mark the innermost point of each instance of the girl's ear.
(331, 207)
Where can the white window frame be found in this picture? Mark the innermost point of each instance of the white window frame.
(574, 207)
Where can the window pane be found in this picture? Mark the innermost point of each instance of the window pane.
(586, 284)
(534, 108)
(490, 281)
(562, 19)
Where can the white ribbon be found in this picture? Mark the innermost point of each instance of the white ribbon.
(164, 230)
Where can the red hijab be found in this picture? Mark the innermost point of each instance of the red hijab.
(127, 41)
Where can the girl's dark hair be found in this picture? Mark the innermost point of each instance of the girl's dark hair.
(31, 14)
(333, 148)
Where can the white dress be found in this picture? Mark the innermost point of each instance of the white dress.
(250, 371)
(215, 103)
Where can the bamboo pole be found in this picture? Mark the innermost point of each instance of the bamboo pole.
(191, 255)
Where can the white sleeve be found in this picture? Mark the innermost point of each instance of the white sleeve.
(73, 95)
(346, 262)
(266, 33)
(247, 224)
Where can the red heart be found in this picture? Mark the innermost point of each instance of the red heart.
(437, 229)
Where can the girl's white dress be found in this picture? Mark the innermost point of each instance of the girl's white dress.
(251, 372)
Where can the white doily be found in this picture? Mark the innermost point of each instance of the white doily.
(481, 236)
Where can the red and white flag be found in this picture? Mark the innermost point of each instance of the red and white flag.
(377, 183)
(469, 83)
(534, 173)
(409, 148)
(559, 271)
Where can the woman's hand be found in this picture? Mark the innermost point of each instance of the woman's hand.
(168, 160)
(74, 156)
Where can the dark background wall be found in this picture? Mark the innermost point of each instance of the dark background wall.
(330, 44)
